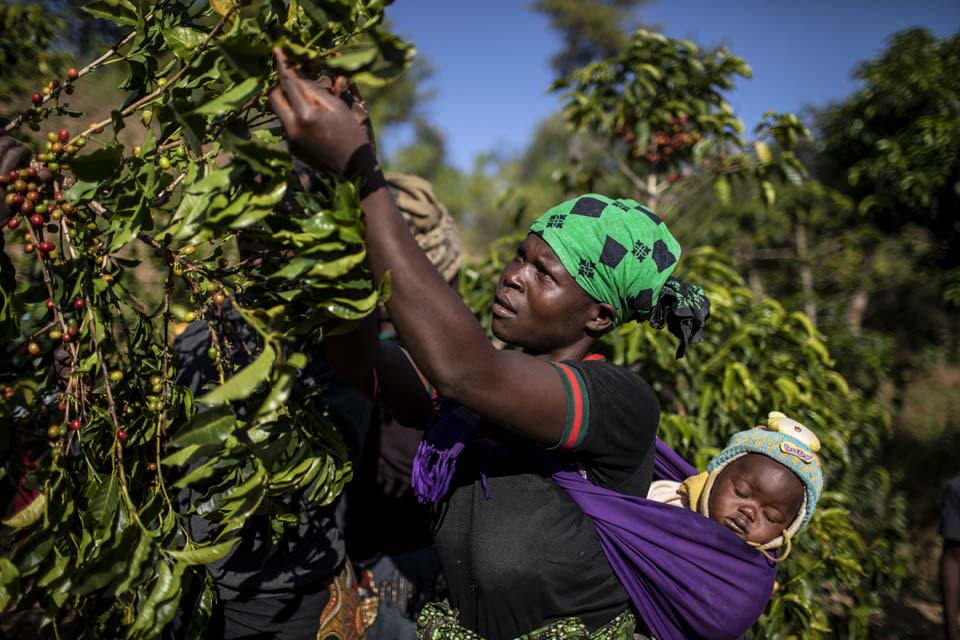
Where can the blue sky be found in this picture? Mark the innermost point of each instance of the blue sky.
(491, 58)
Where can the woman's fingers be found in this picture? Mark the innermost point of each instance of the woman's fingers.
(14, 157)
(5, 143)
(339, 86)
(325, 82)
(281, 107)
(289, 82)
(320, 93)
(321, 128)
(303, 95)
(355, 92)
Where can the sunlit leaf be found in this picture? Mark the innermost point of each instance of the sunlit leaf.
(29, 514)
(231, 99)
(204, 554)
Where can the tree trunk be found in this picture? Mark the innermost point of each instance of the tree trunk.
(756, 284)
(806, 273)
(653, 190)
(856, 310)
(575, 161)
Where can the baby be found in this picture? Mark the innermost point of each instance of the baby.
(763, 486)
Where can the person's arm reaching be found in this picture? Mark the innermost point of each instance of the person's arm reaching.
(518, 391)
(382, 371)
(950, 587)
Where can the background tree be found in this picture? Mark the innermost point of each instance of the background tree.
(590, 30)
(45, 38)
(894, 149)
(792, 238)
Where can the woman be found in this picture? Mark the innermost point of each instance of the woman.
(519, 556)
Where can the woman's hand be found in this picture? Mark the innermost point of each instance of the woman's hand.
(12, 156)
(322, 129)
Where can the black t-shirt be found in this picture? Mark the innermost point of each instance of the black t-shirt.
(527, 555)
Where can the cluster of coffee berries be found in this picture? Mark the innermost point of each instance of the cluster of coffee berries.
(39, 96)
(28, 197)
(59, 150)
(73, 330)
(665, 144)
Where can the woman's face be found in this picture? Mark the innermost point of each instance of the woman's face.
(538, 305)
(756, 497)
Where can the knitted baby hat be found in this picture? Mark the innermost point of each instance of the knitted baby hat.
(791, 444)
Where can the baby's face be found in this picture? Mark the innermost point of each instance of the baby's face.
(756, 498)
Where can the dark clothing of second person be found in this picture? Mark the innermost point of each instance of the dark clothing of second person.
(950, 518)
(516, 551)
(273, 589)
(388, 531)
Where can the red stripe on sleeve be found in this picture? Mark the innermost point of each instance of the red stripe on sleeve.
(577, 422)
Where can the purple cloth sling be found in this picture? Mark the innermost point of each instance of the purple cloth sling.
(687, 576)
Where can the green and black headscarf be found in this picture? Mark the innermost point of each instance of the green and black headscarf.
(622, 253)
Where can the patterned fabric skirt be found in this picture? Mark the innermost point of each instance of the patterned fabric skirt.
(344, 617)
(439, 621)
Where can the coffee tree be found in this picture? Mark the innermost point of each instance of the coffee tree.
(658, 106)
(96, 431)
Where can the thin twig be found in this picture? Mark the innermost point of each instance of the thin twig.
(13, 124)
(634, 179)
(171, 81)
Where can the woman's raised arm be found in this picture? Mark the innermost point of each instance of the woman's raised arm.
(519, 391)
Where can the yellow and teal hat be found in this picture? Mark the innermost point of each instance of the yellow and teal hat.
(790, 443)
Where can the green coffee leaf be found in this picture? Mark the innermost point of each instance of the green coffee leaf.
(183, 41)
(121, 12)
(110, 562)
(232, 99)
(209, 427)
(29, 514)
(204, 554)
(103, 505)
(243, 382)
(9, 582)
